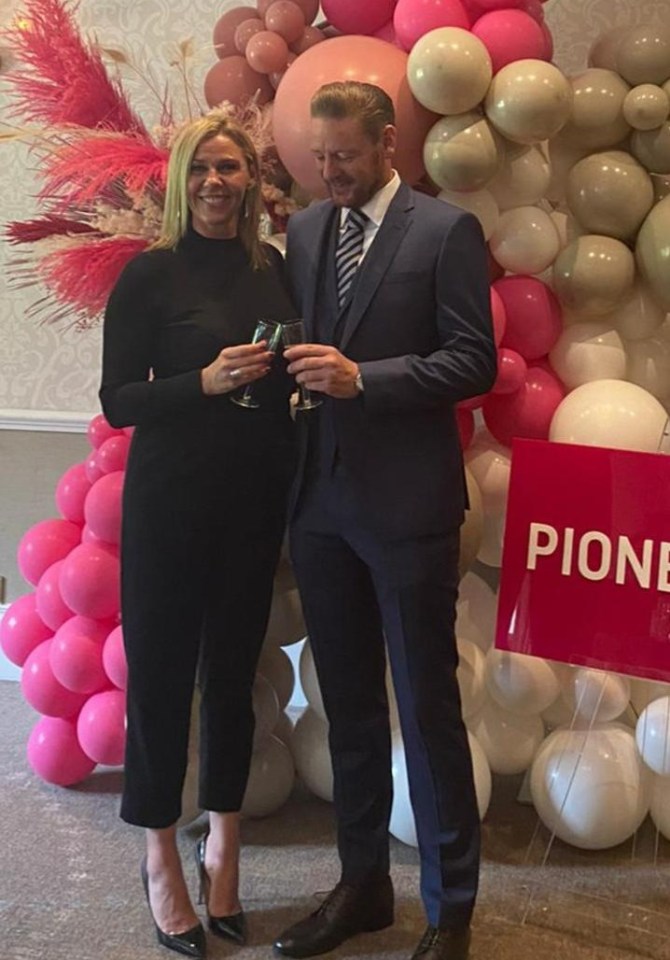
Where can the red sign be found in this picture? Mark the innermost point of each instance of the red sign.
(585, 573)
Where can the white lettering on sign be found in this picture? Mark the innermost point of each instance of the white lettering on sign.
(595, 556)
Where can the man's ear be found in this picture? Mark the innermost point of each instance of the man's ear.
(389, 139)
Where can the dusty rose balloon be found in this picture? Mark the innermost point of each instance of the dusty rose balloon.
(356, 58)
(233, 79)
(510, 35)
(309, 8)
(223, 36)
(527, 412)
(245, 31)
(652, 251)
(593, 273)
(643, 54)
(523, 178)
(275, 78)
(528, 101)
(597, 119)
(610, 193)
(285, 18)
(588, 351)
(646, 106)
(267, 52)
(449, 70)
(412, 19)
(652, 148)
(352, 16)
(309, 38)
(462, 152)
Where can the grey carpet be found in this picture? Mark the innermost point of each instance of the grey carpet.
(70, 889)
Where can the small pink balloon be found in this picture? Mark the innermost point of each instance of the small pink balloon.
(510, 35)
(54, 753)
(71, 492)
(528, 411)
(99, 429)
(50, 605)
(112, 454)
(91, 468)
(498, 315)
(44, 544)
(310, 37)
(465, 420)
(114, 658)
(533, 314)
(102, 509)
(245, 31)
(43, 691)
(223, 36)
(101, 727)
(267, 52)
(287, 19)
(352, 16)
(512, 370)
(22, 629)
(414, 18)
(309, 8)
(234, 80)
(89, 582)
(76, 661)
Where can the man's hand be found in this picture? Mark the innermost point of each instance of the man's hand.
(324, 369)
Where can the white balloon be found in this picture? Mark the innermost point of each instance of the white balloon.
(490, 464)
(590, 787)
(310, 681)
(271, 779)
(558, 714)
(525, 240)
(470, 676)
(266, 709)
(652, 735)
(275, 665)
(312, 754)
(510, 741)
(286, 624)
(479, 202)
(595, 696)
(523, 178)
(520, 683)
(284, 729)
(588, 351)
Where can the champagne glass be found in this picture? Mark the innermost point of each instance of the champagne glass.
(293, 331)
(270, 331)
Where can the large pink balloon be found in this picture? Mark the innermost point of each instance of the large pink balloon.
(114, 658)
(352, 16)
(76, 659)
(43, 691)
(533, 315)
(101, 727)
(510, 35)
(89, 582)
(528, 411)
(71, 492)
(233, 79)
(50, 605)
(22, 629)
(54, 752)
(44, 544)
(414, 18)
(346, 58)
(103, 507)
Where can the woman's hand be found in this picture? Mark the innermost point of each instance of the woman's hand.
(235, 367)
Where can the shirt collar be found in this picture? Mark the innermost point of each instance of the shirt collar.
(376, 207)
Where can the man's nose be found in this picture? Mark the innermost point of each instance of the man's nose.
(329, 167)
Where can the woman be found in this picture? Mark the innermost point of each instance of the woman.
(203, 511)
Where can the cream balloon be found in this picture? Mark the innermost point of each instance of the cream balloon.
(595, 696)
(639, 315)
(648, 365)
(652, 735)
(593, 273)
(472, 529)
(652, 148)
(610, 413)
(311, 752)
(276, 666)
(491, 549)
(509, 740)
(643, 54)
(597, 120)
(523, 178)
(266, 709)
(610, 193)
(286, 624)
(603, 50)
(271, 779)
(479, 202)
(520, 683)
(588, 351)
(310, 681)
(477, 605)
(449, 70)
(646, 107)
(470, 675)
(462, 152)
(490, 464)
(528, 101)
(652, 251)
(525, 240)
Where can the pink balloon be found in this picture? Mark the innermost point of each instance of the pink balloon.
(44, 544)
(510, 35)
(309, 8)
(89, 582)
(223, 36)
(498, 315)
(233, 79)
(533, 8)
(101, 727)
(267, 52)
(103, 507)
(287, 19)
(465, 420)
(99, 429)
(352, 16)
(91, 468)
(71, 491)
(43, 691)
(498, 4)
(76, 659)
(356, 58)
(414, 18)
(114, 658)
(54, 753)
(472, 403)
(50, 605)
(387, 34)
(309, 38)
(245, 31)
(528, 411)
(22, 629)
(548, 41)
(512, 370)
(112, 454)
(533, 315)
(87, 536)
(276, 78)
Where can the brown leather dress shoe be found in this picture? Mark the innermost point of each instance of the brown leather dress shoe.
(443, 944)
(347, 910)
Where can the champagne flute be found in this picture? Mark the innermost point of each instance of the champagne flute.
(270, 331)
(293, 331)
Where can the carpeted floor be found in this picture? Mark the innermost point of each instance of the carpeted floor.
(70, 888)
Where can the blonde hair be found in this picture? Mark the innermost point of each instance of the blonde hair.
(176, 211)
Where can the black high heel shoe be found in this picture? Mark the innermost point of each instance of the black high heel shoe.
(191, 942)
(233, 927)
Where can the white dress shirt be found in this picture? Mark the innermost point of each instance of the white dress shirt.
(375, 210)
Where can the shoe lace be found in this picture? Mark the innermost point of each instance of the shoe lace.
(332, 900)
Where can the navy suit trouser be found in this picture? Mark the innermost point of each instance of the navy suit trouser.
(358, 590)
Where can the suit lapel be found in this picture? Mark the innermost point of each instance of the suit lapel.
(378, 259)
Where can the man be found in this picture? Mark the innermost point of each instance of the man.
(394, 291)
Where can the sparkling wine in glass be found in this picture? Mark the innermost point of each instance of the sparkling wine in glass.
(270, 331)
(293, 331)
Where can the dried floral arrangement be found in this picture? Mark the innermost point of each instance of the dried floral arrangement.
(102, 171)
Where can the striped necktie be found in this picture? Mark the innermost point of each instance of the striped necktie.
(349, 252)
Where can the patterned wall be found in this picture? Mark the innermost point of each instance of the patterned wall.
(46, 368)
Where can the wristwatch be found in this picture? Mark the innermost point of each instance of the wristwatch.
(358, 382)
